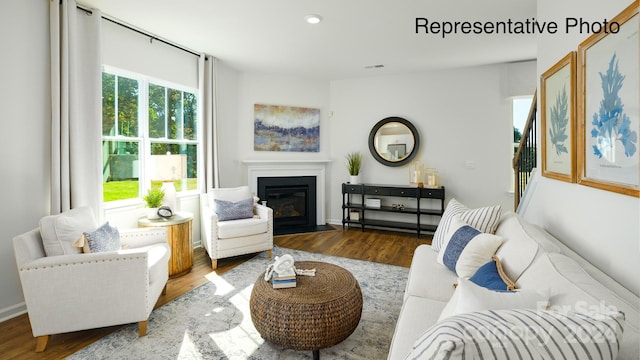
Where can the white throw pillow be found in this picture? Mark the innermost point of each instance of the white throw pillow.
(59, 232)
(484, 219)
(519, 249)
(473, 297)
(467, 248)
(470, 297)
(522, 334)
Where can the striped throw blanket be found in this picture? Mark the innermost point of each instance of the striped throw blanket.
(522, 334)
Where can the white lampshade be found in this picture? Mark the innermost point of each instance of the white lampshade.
(168, 168)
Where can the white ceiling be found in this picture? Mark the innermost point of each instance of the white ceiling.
(272, 36)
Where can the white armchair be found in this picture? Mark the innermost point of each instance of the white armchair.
(76, 291)
(226, 238)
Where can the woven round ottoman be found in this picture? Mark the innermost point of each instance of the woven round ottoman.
(321, 311)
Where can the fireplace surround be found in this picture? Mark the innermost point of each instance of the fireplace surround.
(288, 169)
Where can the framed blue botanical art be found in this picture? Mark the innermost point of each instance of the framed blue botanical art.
(608, 109)
(557, 100)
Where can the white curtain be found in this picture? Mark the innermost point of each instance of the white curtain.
(208, 113)
(76, 108)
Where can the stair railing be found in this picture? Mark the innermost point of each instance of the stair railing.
(524, 160)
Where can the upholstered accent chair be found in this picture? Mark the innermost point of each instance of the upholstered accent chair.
(67, 290)
(233, 223)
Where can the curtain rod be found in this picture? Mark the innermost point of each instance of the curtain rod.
(151, 37)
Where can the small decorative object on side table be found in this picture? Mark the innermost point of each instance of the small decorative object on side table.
(431, 177)
(179, 233)
(416, 173)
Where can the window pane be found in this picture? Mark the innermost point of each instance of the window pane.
(108, 104)
(120, 170)
(127, 107)
(175, 113)
(157, 111)
(521, 108)
(191, 152)
(190, 116)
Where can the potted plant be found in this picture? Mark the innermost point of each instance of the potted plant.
(154, 201)
(354, 162)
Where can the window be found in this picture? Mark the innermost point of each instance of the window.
(143, 117)
(520, 107)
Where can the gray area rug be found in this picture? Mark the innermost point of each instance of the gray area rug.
(213, 321)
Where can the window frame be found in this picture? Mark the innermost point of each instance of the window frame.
(145, 142)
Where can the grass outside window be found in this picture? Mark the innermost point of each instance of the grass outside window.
(128, 189)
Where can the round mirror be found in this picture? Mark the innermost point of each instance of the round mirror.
(394, 141)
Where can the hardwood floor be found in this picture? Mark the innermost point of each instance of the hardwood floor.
(393, 248)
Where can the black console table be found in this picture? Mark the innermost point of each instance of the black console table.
(355, 197)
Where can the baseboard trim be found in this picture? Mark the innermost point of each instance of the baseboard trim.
(12, 311)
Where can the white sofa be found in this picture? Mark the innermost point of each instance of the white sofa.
(535, 260)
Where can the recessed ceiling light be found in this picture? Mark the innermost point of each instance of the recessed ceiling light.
(313, 18)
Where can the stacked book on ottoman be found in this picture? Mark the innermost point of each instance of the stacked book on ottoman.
(281, 281)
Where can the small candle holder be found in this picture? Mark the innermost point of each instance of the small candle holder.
(416, 173)
(431, 178)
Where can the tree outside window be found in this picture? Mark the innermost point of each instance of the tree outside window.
(131, 135)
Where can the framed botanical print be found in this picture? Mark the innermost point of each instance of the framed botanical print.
(609, 87)
(558, 91)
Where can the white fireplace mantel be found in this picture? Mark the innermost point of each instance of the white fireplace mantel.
(288, 168)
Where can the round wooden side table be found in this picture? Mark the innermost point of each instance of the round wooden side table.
(321, 311)
(179, 235)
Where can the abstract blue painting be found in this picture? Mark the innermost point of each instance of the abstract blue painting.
(286, 128)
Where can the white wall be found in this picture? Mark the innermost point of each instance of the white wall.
(236, 144)
(602, 226)
(462, 115)
(131, 51)
(473, 123)
(25, 104)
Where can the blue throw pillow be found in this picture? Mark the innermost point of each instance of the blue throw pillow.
(492, 276)
(459, 240)
(104, 238)
(467, 249)
(229, 210)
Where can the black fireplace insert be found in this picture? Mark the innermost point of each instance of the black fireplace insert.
(292, 199)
